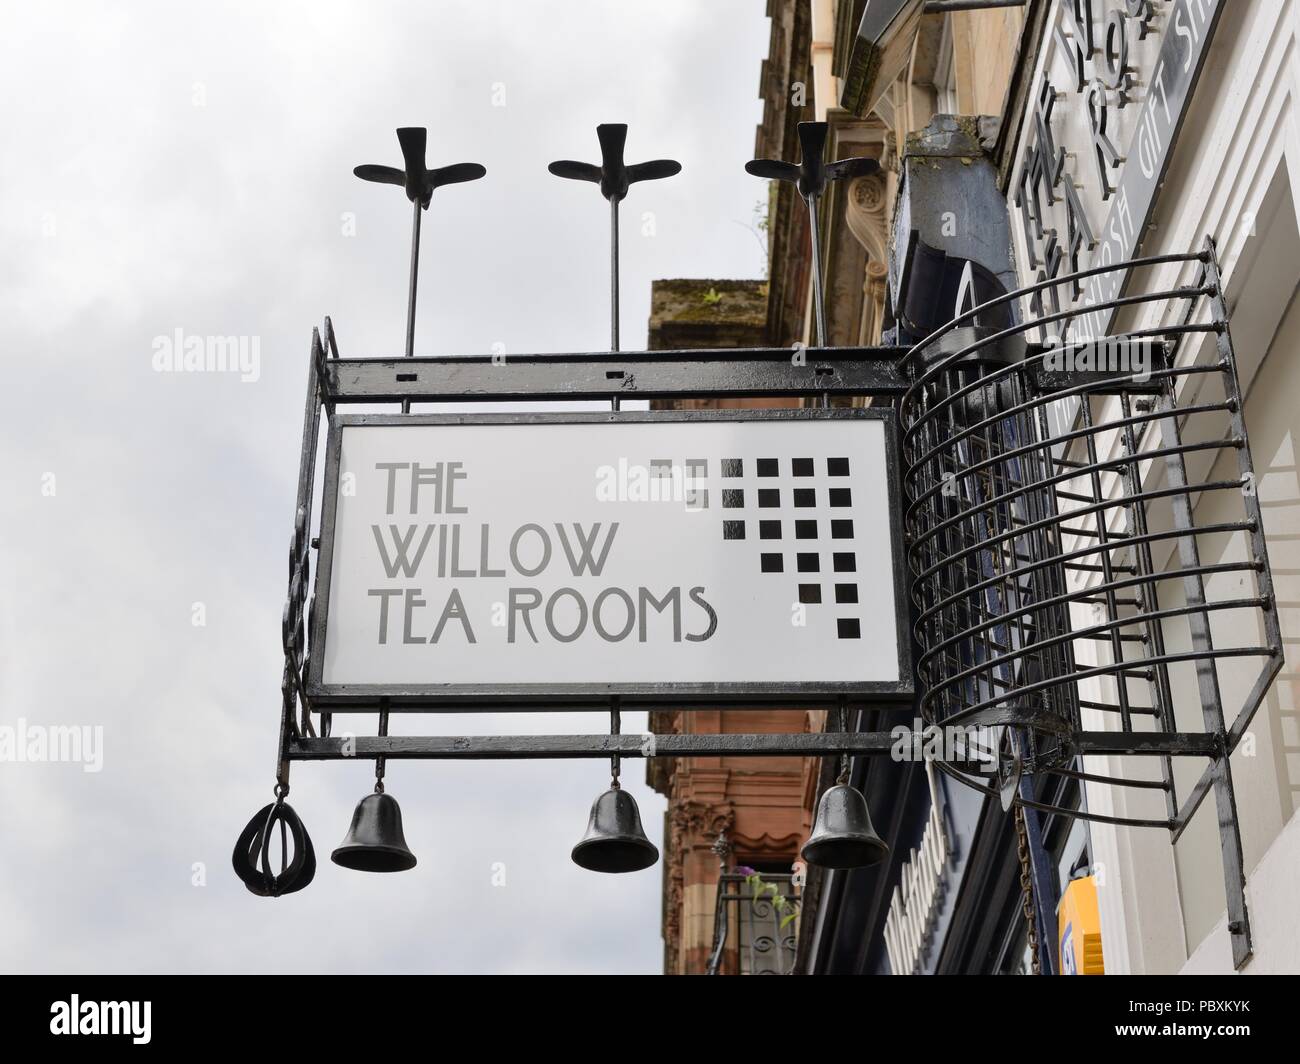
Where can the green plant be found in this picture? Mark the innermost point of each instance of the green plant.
(788, 908)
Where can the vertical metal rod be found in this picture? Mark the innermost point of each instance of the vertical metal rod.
(302, 528)
(1225, 795)
(379, 761)
(842, 724)
(615, 727)
(1246, 468)
(819, 301)
(613, 284)
(410, 303)
(1148, 596)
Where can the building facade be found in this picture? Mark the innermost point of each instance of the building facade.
(1107, 129)
(1208, 153)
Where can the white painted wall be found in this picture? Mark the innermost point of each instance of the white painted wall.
(1233, 176)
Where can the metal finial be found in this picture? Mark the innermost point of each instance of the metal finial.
(418, 182)
(614, 177)
(810, 176)
(721, 849)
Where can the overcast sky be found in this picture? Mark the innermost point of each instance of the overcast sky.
(189, 166)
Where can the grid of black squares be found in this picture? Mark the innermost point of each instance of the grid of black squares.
(774, 528)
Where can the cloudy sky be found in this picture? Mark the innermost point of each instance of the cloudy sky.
(170, 166)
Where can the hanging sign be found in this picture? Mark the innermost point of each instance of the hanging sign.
(705, 556)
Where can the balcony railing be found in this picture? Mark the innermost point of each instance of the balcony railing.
(754, 925)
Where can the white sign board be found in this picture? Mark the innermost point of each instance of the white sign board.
(666, 557)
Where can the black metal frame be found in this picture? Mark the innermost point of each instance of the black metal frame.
(596, 696)
(765, 372)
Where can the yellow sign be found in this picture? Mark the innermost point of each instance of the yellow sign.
(1080, 923)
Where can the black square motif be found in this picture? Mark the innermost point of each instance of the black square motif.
(841, 497)
(802, 467)
(810, 593)
(837, 467)
(848, 628)
(771, 563)
(805, 530)
(769, 497)
(769, 530)
(805, 497)
(842, 529)
(808, 563)
(767, 467)
(846, 593)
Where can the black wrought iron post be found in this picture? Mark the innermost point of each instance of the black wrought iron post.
(615, 177)
(418, 182)
(810, 177)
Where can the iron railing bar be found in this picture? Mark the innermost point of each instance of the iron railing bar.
(947, 361)
(1226, 526)
(1079, 814)
(1106, 504)
(1040, 398)
(1066, 597)
(1190, 807)
(1107, 670)
(1115, 781)
(1070, 437)
(1079, 633)
(1019, 293)
(1103, 535)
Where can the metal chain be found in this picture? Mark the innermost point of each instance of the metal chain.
(1027, 887)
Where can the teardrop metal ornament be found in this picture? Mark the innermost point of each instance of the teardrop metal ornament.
(252, 855)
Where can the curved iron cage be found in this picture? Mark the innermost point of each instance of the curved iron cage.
(1084, 532)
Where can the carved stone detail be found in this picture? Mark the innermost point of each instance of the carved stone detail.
(865, 214)
(690, 824)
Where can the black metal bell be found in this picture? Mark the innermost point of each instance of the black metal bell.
(843, 836)
(374, 842)
(615, 841)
